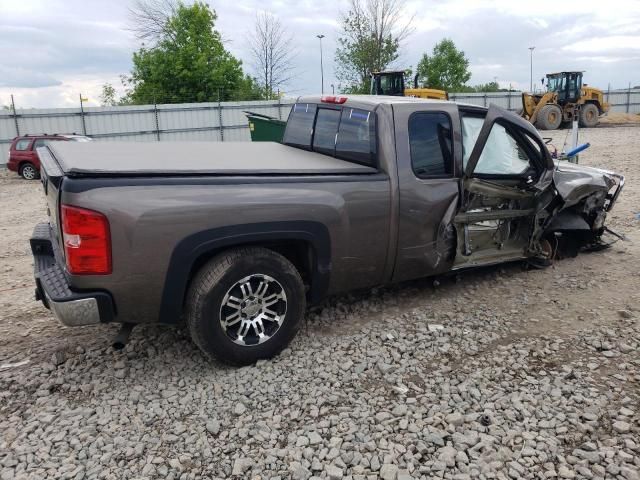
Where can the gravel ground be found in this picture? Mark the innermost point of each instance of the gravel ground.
(496, 373)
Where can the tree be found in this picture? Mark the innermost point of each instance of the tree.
(108, 95)
(487, 87)
(447, 68)
(372, 33)
(149, 18)
(273, 53)
(188, 64)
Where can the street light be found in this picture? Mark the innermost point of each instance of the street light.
(333, 88)
(321, 69)
(531, 49)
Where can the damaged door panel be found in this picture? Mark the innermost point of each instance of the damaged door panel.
(503, 188)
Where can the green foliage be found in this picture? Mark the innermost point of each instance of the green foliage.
(188, 64)
(369, 42)
(108, 95)
(487, 87)
(447, 68)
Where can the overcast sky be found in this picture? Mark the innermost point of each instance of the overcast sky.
(53, 50)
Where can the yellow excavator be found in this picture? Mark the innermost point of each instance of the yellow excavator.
(391, 82)
(566, 97)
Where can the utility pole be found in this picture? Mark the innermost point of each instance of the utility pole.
(321, 67)
(531, 49)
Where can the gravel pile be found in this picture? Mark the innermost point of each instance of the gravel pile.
(500, 373)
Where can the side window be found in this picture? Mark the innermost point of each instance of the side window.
(23, 144)
(430, 141)
(357, 136)
(502, 155)
(300, 125)
(471, 126)
(324, 138)
(40, 142)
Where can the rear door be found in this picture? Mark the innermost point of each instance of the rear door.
(429, 159)
(505, 187)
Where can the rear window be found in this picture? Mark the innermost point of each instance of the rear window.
(300, 125)
(357, 136)
(23, 144)
(324, 138)
(346, 133)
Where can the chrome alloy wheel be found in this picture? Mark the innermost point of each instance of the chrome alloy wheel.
(29, 172)
(253, 310)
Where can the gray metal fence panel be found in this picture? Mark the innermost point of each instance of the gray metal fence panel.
(209, 121)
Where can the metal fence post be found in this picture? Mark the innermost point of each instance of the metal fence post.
(509, 98)
(485, 99)
(15, 116)
(220, 118)
(629, 97)
(608, 92)
(84, 125)
(155, 112)
(279, 106)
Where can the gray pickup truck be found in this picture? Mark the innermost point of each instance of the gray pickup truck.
(237, 238)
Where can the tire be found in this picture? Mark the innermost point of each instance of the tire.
(549, 117)
(589, 115)
(237, 286)
(28, 171)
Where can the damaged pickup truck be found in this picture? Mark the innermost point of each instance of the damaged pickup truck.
(237, 238)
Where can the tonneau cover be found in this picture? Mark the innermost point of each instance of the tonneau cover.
(195, 158)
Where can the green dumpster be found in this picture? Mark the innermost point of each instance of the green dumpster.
(264, 128)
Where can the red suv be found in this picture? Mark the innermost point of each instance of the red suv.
(23, 157)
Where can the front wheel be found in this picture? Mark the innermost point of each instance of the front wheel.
(28, 171)
(589, 115)
(244, 305)
(549, 117)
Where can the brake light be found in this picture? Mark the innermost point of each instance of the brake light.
(333, 99)
(87, 242)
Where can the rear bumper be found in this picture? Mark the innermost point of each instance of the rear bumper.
(70, 307)
(12, 165)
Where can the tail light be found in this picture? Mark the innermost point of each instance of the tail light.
(87, 242)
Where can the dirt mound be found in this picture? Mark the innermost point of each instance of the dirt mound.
(619, 117)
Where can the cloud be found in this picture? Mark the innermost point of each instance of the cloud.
(54, 49)
(604, 44)
(23, 78)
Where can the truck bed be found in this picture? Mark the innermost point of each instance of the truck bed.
(195, 158)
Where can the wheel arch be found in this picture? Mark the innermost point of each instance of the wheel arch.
(595, 102)
(305, 244)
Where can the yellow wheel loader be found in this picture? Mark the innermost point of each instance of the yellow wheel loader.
(391, 82)
(565, 98)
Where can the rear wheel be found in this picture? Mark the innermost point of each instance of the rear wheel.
(28, 171)
(244, 305)
(589, 115)
(549, 117)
